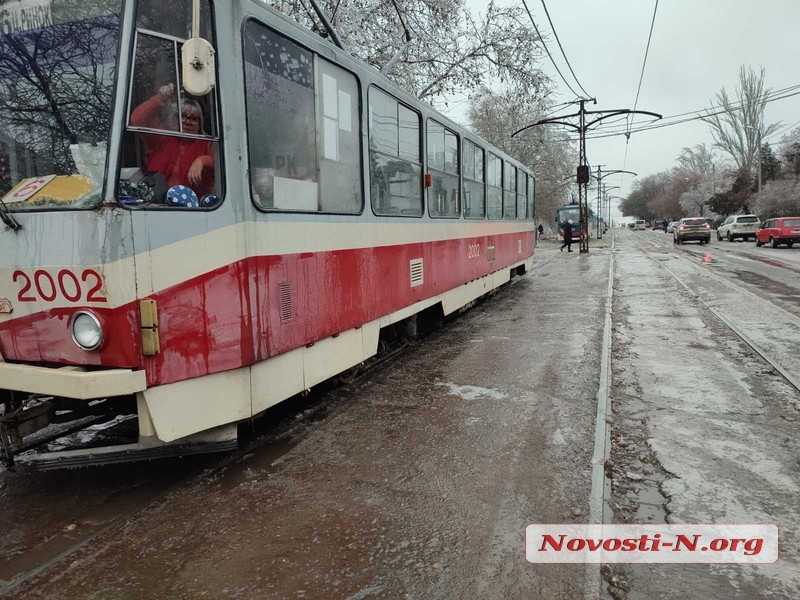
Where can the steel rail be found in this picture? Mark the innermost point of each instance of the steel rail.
(792, 380)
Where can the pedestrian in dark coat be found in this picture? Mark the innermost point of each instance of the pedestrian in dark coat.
(567, 227)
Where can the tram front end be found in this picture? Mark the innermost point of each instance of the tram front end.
(73, 330)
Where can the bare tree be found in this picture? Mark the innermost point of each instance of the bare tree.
(645, 190)
(738, 126)
(778, 198)
(697, 160)
(451, 51)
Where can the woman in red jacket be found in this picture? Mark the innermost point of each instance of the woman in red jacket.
(182, 161)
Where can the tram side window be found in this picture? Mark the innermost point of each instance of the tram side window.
(302, 127)
(510, 192)
(443, 166)
(395, 166)
(171, 146)
(340, 163)
(494, 178)
(522, 184)
(531, 196)
(474, 188)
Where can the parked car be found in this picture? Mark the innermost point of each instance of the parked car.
(692, 228)
(738, 226)
(671, 226)
(779, 230)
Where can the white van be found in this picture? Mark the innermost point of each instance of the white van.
(640, 224)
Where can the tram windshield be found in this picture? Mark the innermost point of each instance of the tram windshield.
(564, 214)
(58, 63)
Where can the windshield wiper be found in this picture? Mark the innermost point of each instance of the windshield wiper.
(8, 218)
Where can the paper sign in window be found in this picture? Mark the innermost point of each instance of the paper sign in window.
(329, 97)
(345, 111)
(331, 139)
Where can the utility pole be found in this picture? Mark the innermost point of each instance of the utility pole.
(583, 174)
(606, 189)
(599, 177)
(599, 212)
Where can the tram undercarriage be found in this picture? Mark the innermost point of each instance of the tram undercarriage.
(187, 417)
(107, 431)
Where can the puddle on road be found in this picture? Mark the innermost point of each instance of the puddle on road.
(650, 503)
(258, 463)
(774, 263)
(763, 283)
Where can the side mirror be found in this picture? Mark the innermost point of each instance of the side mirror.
(197, 62)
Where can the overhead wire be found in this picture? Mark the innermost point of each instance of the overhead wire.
(638, 90)
(697, 117)
(564, 79)
(646, 52)
(785, 129)
(682, 121)
(564, 54)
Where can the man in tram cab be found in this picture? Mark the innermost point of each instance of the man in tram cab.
(181, 161)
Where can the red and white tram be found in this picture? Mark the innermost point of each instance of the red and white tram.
(195, 231)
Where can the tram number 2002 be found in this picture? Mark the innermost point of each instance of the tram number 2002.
(43, 286)
(473, 251)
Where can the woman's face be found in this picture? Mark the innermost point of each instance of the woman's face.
(191, 119)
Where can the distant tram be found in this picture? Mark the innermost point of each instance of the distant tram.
(572, 211)
(197, 230)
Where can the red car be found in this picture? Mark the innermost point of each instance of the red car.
(779, 230)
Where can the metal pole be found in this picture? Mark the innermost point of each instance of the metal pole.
(599, 179)
(582, 187)
(759, 160)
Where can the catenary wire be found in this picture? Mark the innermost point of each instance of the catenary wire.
(525, 4)
(553, 28)
(646, 52)
(679, 122)
(638, 90)
(696, 113)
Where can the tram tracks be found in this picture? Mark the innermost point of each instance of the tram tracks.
(67, 535)
(768, 357)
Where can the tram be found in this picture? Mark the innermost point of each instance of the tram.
(572, 211)
(208, 209)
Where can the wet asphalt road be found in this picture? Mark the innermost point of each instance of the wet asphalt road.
(417, 480)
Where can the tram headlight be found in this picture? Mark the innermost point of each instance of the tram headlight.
(87, 331)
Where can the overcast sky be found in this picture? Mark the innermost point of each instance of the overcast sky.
(696, 48)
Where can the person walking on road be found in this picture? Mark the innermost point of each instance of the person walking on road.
(567, 227)
(539, 232)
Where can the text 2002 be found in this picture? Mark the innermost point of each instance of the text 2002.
(47, 288)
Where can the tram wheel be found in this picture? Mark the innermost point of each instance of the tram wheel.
(349, 376)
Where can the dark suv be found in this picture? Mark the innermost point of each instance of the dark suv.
(692, 228)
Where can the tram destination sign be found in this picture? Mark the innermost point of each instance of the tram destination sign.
(27, 188)
(25, 15)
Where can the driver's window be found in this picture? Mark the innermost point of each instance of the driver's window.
(171, 149)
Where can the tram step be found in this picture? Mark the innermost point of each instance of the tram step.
(72, 459)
